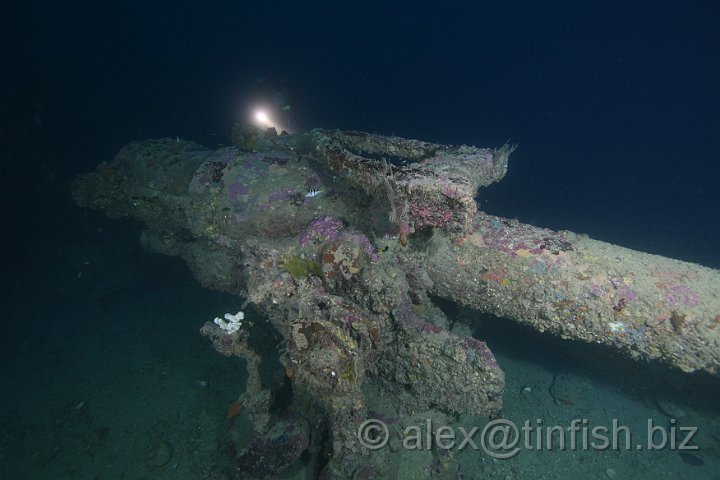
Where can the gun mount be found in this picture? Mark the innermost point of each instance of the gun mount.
(341, 238)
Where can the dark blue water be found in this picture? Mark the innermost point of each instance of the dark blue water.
(613, 105)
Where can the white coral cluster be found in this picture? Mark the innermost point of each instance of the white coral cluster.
(231, 324)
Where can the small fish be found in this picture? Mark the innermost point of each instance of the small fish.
(313, 193)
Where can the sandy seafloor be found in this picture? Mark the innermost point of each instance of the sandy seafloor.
(105, 376)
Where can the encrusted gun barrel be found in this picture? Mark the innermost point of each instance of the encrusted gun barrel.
(649, 306)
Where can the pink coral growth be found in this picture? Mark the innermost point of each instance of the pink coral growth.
(322, 229)
(429, 327)
(681, 295)
(425, 216)
(482, 349)
(452, 191)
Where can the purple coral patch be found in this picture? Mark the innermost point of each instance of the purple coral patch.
(482, 349)
(322, 229)
(430, 216)
(328, 228)
(236, 190)
(510, 236)
(362, 241)
(597, 290)
(681, 295)
(626, 294)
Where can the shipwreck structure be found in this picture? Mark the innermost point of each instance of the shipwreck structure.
(343, 239)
